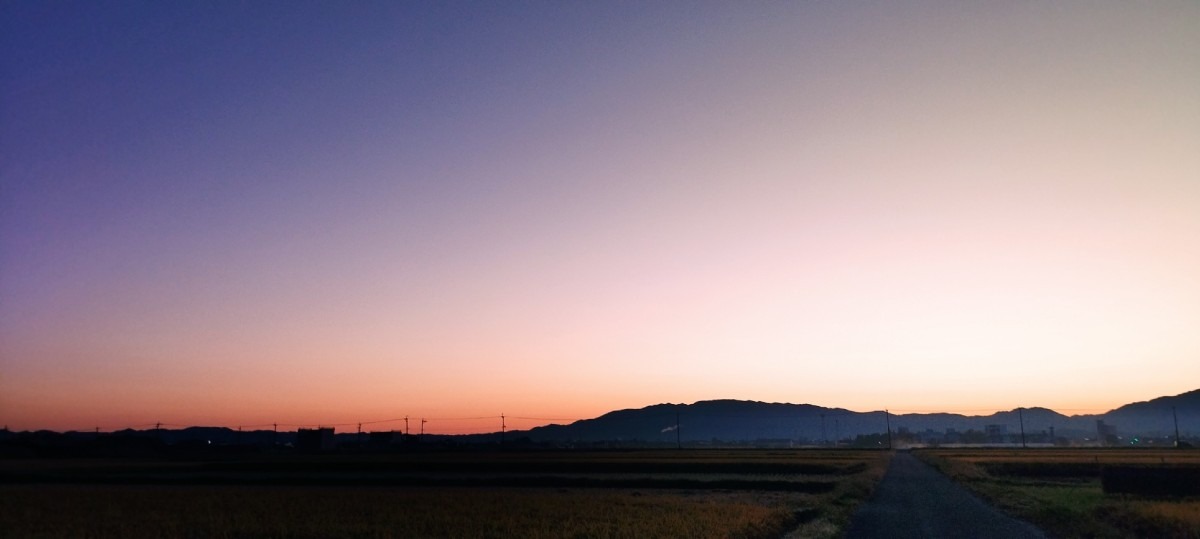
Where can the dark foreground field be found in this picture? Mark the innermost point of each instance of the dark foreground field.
(551, 494)
(1094, 493)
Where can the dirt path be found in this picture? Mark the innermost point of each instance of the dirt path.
(914, 500)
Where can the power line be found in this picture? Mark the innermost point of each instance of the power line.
(697, 417)
(547, 418)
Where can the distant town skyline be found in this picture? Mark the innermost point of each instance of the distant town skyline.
(232, 213)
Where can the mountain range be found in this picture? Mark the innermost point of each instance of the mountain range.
(751, 420)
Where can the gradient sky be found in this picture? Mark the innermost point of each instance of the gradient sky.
(239, 213)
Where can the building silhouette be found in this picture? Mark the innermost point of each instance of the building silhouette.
(319, 439)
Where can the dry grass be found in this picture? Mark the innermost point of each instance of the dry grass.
(836, 508)
(299, 510)
(1060, 491)
(1160, 518)
(1074, 456)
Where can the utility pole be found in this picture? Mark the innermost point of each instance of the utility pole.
(422, 435)
(274, 433)
(824, 437)
(405, 426)
(887, 417)
(1021, 417)
(502, 428)
(1175, 417)
(678, 439)
(359, 436)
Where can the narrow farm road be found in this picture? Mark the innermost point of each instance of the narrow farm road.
(915, 500)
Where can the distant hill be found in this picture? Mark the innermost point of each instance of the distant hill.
(731, 420)
(717, 419)
(724, 421)
(1155, 416)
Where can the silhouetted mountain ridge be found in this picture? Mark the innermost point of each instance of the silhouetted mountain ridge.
(731, 420)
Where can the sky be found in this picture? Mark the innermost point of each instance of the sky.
(242, 213)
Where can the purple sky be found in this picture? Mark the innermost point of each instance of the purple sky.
(234, 213)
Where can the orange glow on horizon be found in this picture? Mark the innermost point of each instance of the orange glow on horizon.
(528, 212)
